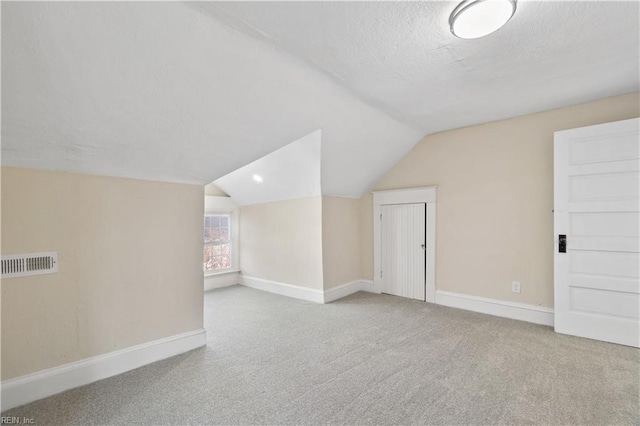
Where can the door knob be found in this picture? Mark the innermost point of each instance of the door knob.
(424, 247)
(562, 243)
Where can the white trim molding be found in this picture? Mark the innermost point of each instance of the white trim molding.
(31, 387)
(499, 308)
(221, 279)
(290, 290)
(304, 293)
(425, 195)
(346, 289)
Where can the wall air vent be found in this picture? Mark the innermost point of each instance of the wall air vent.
(24, 265)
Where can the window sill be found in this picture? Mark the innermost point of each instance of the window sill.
(215, 274)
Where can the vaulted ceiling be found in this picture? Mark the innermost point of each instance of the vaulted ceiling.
(402, 58)
(188, 92)
(290, 172)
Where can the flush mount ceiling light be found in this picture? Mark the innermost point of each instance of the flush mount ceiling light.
(477, 18)
(257, 178)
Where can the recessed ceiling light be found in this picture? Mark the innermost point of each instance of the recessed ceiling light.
(477, 18)
(257, 178)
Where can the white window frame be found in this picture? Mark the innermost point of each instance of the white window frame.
(234, 214)
(231, 242)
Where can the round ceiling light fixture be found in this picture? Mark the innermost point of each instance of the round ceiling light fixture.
(258, 178)
(477, 18)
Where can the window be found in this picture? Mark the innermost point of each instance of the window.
(217, 242)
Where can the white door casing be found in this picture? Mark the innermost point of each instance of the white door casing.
(402, 233)
(426, 195)
(597, 207)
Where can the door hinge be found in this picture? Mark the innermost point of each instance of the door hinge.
(380, 216)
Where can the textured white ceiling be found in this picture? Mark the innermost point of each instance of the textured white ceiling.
(190, 92)
(161, 91)
(402, 58)
(292, 171)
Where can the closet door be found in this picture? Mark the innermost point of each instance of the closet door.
(403, 250)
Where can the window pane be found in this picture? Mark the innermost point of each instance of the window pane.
(208, 259)
(217, 242)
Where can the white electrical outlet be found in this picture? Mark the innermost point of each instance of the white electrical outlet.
(515, 286)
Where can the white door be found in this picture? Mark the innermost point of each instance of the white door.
(402, 234)
(597, 205)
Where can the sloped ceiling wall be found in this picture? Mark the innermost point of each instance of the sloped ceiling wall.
(160, 91)
(290, 172)
(188, 92)
(402, 58)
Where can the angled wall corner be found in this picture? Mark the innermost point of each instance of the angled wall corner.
(290, 234)
(280, 203)
(281, 242)
(308, 248)
(341, 241)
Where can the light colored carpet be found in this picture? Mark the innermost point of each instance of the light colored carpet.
(366, 359)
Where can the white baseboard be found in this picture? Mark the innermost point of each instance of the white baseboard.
(311, 295)
(224, 279)
(283, 289)
(500, 308)
(31, 387)
(367, 285)
(346, 289)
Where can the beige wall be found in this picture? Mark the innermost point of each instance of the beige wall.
(282, 241)
(130, 265)
(214, 191)
(340, 240)
(495, 199)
